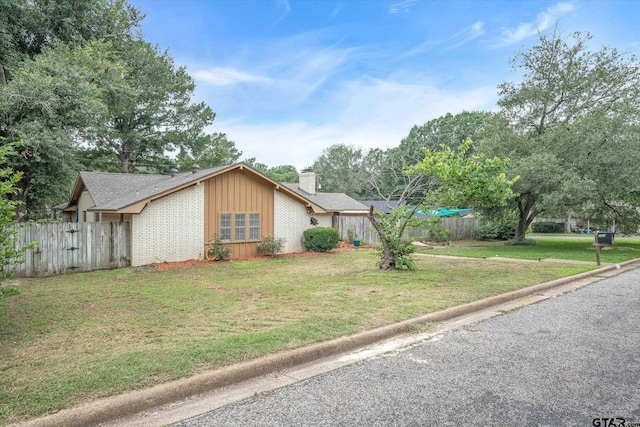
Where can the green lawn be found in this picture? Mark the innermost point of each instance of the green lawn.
(570, 248)
(68, 339)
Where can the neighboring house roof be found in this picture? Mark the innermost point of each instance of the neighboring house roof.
(130, 193)
(332, 202)
(382, 205)
(386, 207)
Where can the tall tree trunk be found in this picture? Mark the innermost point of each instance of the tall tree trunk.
(388, 261)
(526, 213)
(125, 161)
(567, 223)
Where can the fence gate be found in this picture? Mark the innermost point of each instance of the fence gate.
(72, 248)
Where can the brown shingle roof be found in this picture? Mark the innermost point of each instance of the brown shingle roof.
(113, 191)
(333, 202)
(116, 191)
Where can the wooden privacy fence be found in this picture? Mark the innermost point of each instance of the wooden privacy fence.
(460, 228)
(69, 247)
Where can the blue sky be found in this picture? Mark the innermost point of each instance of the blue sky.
(288, 79)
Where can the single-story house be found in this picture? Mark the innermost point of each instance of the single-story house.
(173, 217)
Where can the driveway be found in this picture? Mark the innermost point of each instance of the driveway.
(564, 361)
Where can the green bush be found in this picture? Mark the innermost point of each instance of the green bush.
(498, 225)
(270, 246)
(437, 232)
(547, 227)
(8, 291)
(403, 256)
(218, 251)
(320, 239)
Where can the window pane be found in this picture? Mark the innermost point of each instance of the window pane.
(225, 226)
(241, 227)
(254, 226)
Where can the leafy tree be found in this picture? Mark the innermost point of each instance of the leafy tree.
(48, 101)
(283, 173)
(570, 128)
(47, 87)
(446, 131)
(464, 180)
(396, 251)
(149, 110)
(217, 151)
(27, 27)
(389, 181)
(10, 253)
(340, 170)
(82, 89)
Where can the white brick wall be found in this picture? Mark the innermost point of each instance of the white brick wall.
(169, 229)
(291, 219)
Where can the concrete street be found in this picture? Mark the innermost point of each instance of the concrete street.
(562, 361)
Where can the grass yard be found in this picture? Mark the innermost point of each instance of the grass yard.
(68, 339)
(570, 248)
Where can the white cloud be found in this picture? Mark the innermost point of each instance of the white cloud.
(403, 6)
(222, 76)
(285, 8)
(543, 21)
(460, 38)
(468, 34)
(369, 113)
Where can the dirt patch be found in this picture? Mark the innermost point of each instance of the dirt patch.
(195, 263)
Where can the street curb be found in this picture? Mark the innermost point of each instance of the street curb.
(111, 408)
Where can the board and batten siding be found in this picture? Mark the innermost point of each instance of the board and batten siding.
(169, 229)
(238, 191)
(292, 219)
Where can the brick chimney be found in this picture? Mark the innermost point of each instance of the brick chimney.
(307, 182)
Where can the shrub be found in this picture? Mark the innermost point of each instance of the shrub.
(352, 236)
(270, 246)
(403, 256)
(547, 227)
(320, 239)
(218, 251)
(8, 291)
(437, 232)
(500, 225)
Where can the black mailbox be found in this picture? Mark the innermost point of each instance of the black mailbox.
(604, 238)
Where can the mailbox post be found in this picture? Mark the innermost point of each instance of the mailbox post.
(602, 240)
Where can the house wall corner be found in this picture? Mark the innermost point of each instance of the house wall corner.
(169, 229)
(291, 220)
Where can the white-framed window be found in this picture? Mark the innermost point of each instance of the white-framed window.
(241, 227)
(225, 227)
(254, 226)
(96, 217)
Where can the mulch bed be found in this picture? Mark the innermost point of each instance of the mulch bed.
(194, 263)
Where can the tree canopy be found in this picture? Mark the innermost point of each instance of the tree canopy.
(570, 128)
(340, 169)
(464, 180)
(82, 89)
